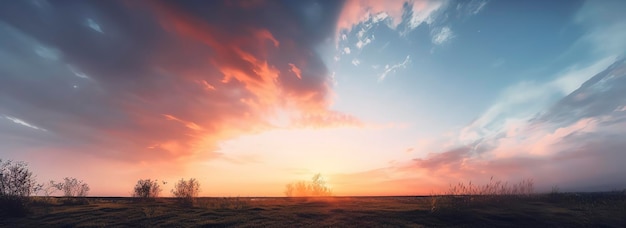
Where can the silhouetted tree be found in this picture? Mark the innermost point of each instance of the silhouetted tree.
(73, 187)
(186, 190)
(16, 185)
(315, 187)
(147, 188)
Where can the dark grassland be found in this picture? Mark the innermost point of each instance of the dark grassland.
(547, 210)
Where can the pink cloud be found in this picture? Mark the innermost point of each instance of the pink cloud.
(355, 12)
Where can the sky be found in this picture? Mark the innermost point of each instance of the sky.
(380, 97)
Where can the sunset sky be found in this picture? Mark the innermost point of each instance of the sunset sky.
(380, 97)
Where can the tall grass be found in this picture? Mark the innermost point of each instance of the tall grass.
(232, 203)
(463, 196)
(525, 187)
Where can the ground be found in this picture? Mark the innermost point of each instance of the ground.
(562, 210)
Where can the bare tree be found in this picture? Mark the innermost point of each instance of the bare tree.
(73, 187)
(16, 185)
(147, 189)
(186, 190)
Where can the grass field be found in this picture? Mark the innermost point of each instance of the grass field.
(551, 210)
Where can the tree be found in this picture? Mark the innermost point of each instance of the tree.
(16, 185)
(315, 187)
(50, 188)
(73, 187)
(186, 190)
(147, 189)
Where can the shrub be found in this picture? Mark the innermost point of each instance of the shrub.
(315, 187)
(73, 187)
(147, 189)
(16, 185)
(186, 190)
(74, 190)
(49, 188)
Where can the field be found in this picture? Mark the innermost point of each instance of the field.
(550, 210)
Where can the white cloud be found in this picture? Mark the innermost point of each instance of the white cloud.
(442, 35)
(476, 6)
(423, 12)
(47, 53)
(77, 72)
(390, 69)
(355, 12)
(23, 123)
(356, 62)
(606, 26)
(363, 36)
(362, 43)
(525, 99)
(93, 25)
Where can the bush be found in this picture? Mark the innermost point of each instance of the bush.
(315, 187)
(16, 185)
(73, 187)
(186, 190)
(147, 189)
(74, 190)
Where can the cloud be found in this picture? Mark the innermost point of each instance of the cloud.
(23, 123)
(346, 50)
(442, 35)
(93, 25)
(606, 27)
(422, 11)
(566, 140)
(393, 68)
(356, 62)
(471, 7)
(150, 81)
(355, 12)
(296, 70)
(524, 100)
(327, 119)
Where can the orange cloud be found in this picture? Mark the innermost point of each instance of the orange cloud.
(296, 70)
(243, 76)
(327, 119)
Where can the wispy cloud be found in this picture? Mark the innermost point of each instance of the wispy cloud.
(575, 131)
(471, 7)
(422, 12)
(327, 119)
(93, 25)
(442, 35)
(524, 100)
(296, 70)
(605, 25)
(394, 68)
(367, 12)
(23, 123)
